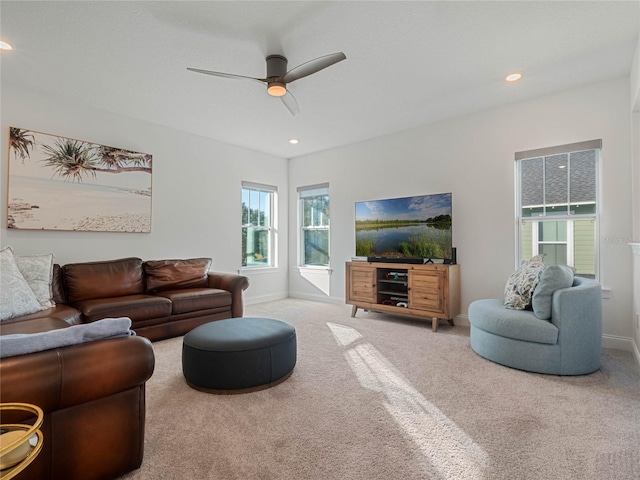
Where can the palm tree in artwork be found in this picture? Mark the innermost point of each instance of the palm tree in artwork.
(71, 158)
(74, 159)
(117, 160)
(21, 141)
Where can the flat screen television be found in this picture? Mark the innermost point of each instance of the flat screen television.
(417, 227)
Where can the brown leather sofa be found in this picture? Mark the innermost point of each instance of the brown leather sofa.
(93, 394)
(93, 398)
(163, 298)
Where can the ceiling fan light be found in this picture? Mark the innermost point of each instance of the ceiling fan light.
(276, 89)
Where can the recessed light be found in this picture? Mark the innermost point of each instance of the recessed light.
(5, 46)
(562, 166)
(513, 77)
(293, 141)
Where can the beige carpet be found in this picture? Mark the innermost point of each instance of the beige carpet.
(378, 397)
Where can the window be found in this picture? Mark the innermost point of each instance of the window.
(258, 226)
(314, 225)
(557, 192)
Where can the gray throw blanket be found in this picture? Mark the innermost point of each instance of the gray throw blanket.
(21, 343)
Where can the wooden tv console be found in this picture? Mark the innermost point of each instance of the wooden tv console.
(429, 291)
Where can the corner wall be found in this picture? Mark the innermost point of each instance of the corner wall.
(196, 187)
(473, 157)
(635, 240)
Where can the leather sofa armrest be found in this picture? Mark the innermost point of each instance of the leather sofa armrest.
(64, 377)
(233, 283)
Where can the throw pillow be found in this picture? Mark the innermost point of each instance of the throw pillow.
(521, 284)
(553, 277)
(16, 297)
(37, 270)
(171, 274)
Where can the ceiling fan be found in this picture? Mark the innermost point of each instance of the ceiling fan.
(278, 77)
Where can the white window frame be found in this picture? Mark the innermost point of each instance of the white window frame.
(304, 193)
(569, 218)
(271, 228)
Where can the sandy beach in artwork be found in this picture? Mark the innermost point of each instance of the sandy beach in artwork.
(37, 203)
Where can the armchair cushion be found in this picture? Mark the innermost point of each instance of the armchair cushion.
(552, 278)
(491, 316)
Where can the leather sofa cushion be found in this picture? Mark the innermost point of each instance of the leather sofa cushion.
(173, 274)
(36, 325)
(71, 315)
(112, 278)
(195, 299)
(136, 307)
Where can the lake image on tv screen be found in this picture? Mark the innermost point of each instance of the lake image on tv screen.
(417, 227)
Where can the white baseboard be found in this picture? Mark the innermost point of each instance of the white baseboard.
(317, 298)
(264, 298)
(617, 343)
(462, 320)
(636, 352)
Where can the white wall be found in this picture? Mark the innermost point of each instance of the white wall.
(196, 191)
(473, 157)
(635, 134)
(634, 92)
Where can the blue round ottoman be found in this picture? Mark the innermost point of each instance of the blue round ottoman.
(239, 355)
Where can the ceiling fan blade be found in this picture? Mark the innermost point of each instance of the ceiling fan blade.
(290, 102)
(226, 75)
(312, 66)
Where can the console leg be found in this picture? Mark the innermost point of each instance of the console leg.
(434, 324)
(354, 309)
(451, 322)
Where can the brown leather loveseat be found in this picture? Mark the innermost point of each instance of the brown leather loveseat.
(163, 298)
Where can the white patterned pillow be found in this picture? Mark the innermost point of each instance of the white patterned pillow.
(37, 270)
(519, 288)
(16, 296)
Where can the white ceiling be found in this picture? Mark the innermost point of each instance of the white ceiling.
(408, 63)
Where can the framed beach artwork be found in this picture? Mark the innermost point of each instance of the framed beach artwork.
(58, 183)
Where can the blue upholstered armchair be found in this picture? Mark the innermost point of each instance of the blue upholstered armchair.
(569, 343)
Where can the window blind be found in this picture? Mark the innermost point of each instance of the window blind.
(259, 186)
(560, 149)
(313, 190)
